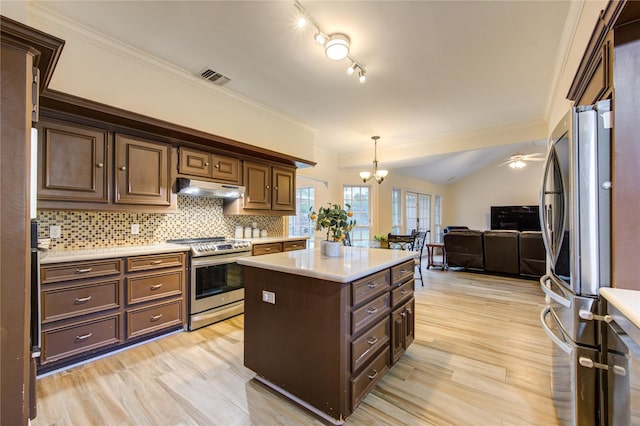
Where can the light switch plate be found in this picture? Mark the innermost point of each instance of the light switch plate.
(55, 231)
(269, 297)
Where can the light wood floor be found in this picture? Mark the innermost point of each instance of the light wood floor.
(480, 358)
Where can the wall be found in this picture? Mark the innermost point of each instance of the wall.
(101, 69)
(196, 217)
(468, 202)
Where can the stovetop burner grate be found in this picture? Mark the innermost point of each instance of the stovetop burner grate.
(211, 246)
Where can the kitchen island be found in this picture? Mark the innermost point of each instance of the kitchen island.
(324, 330)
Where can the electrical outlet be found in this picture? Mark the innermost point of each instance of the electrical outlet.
(135, 229)
(269, 297)
(55, 231)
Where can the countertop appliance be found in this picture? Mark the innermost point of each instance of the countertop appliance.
(216, 285)
(575, 205)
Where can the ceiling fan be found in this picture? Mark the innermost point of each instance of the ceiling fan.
(518, 161)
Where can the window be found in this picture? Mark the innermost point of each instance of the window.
(418, 209)
(300, 224)
(437, 231)
(358, 198)
(396, 223)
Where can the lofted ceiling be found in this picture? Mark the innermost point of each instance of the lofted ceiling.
(442, 76)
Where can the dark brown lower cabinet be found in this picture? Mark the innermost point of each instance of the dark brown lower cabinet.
(325, 343)
(402, 329)
(92, 307)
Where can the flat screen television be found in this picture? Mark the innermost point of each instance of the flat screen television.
(519, 218)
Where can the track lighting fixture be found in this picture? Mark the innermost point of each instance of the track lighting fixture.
(336, 45)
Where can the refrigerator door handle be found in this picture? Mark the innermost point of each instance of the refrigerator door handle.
(552, 294)
(555, 339)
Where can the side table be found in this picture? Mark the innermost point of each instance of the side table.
(431, 248)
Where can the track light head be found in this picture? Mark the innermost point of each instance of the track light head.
(362, 76)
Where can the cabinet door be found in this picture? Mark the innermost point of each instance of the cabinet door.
(226, 169)
(397, 334)
(284, 187)
(195, 163)
(142, 172)
(257, 180)
(72, 163)
(409, 323)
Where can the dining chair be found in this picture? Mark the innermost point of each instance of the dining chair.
(400, 242)
(420, 241)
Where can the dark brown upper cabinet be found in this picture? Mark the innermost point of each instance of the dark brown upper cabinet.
(73, 163)
(141, 171)
(209, 165)
(269, 187)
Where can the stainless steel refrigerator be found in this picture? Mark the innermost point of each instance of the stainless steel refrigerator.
(575, 205)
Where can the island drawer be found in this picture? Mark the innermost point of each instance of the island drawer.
(78, 270)
(368, 314)
(74, 339)
(369, 287)
(146, 287)
(156, 261)
(70, 301)
(294, 245)
(260, 249)
(153, 318)
(364, 347)
(402, 272)
(365, 381)
(402, 292)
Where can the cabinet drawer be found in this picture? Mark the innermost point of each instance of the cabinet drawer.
(260, 249)
(402, 272)
(364, 347)
(63, 342)
(402, 292)
(368, 314)
(68, 302)
(153, 318)
(362, 384)
(156, 261)
(294, 245)
(149, 287)
(77, 270)
(368, 287)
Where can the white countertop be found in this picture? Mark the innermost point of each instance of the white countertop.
(57, 256)
(625, 301)
(356, 262)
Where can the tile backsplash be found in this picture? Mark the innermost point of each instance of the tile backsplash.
(196, 217)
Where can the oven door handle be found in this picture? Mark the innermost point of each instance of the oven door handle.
(221, 259)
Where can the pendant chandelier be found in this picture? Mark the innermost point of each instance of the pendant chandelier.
(378, 175)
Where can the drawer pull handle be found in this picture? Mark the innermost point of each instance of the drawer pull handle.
(372, 285)
(267, 249)
(372, 310)
(156, 262)
(404, 271)
(373, 375)
(81, 300)
(156, 317)
(403, 292)
(156, 286)
(83, 337)
(83, 271)
(372, 340)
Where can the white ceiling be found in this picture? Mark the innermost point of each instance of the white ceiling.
(436, 70)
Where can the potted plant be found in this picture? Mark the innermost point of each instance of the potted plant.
(382, 239)
(337, 222)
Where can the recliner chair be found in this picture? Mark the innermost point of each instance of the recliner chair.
(501, 254)
(464, 248)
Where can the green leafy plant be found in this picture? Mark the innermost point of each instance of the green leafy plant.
(335, 219)
(381, 237)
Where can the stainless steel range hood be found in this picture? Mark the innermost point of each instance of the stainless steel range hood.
(202, 188)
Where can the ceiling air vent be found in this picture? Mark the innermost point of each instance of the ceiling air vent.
(215, 77)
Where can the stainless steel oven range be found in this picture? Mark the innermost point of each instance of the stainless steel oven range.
(216, 287)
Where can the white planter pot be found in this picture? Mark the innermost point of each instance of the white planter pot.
(333, 249)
